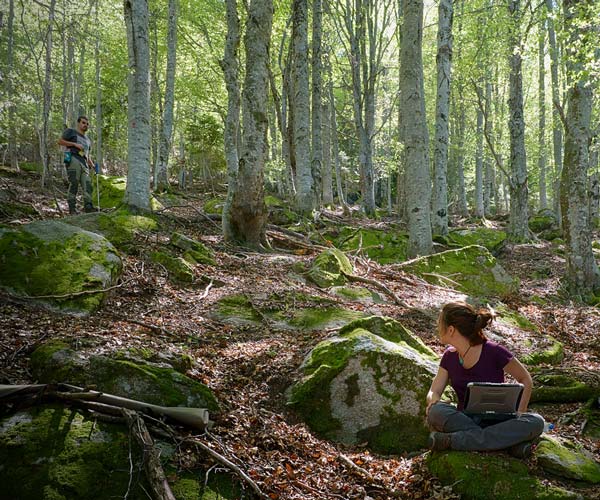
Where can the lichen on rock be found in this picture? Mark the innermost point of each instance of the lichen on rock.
(329, 268)
(180, 271)
(59, 264)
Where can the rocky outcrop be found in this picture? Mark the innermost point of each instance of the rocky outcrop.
(329, 268)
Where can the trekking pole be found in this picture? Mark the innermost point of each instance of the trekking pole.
(97, 169)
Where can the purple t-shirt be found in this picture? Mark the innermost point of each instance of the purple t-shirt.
(489, 368)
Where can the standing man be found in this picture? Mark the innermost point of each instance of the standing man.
(78, 163)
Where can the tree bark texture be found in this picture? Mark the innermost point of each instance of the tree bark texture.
(442, 113)
(582, 274)
(335, 145)
(229, 65)
(248, 211)
(414, 131)
(542, 118)
(518, 221)
(137, 192)
(161, 179)
(47, 99)
(327, 176)
(316, 102)
(12, 130)
(488, 169)
(99, 120)
(301, 125)
(479, 209)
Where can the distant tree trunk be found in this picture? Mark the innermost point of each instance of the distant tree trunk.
(542, 118)
(479, 208)
(12, 131)
(518, 221)
(335, 145)
(77, 107)
(557, 131)
(444, 61)
(99, 120)
(229, 65)
(316, 102)
(583, 276)
(594, 196)
(47, 99)
(415, 134)
(137, 192)
(156, 105)
(488, 168)
(248, 211)
(286, 146)
(461, 195)
(301, 126)
(161, 182)
(327, 175)
(70, 76)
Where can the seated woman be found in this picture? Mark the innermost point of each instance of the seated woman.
(471, 357)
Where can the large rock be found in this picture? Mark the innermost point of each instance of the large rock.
(544, 220)
(383, 246)
(477, 476)
(57, 453)
(472, 270)
(112, 192)
(492, 239)
(360, 387)
(58, 263)
(152, 383)
(566, 459)
(329, 268)
(561, 388)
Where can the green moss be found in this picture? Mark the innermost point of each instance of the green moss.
(471, 269)
(566, 459)
(482, 477)
(217, 486)
(384, 247)
(391, 330)
(195, 251)
(393, 434)
(214, 206)
(112, 190)
(30, 167)
(356, 293)
(552, 355)
(52, 258)
(514, 318)
(329, 268)
(238, 308)
(325, 317)
(492, 239)
(560, 389)
(55, 361)
(179, 270)
(55, 453)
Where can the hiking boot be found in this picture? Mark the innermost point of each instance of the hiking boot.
(439, 441)
(521, 450)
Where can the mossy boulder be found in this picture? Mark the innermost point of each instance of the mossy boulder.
(472, 270)
(195, 251)
(180, 271)
(152, 383)
(64, 263)
(547, 351)
(544, 220)
(382, 246)
(560, 388)
(214, 206)
(492, 239)
(357, 294)
(591, 410)
(329, 268)
(477, 476)
(237, 309)
(359, 387)
(565, 458)
(112, 192)
(119, 227)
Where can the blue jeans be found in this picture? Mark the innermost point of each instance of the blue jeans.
(468, 434)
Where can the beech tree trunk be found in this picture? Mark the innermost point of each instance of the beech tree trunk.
(518, 221)
(230, 65)
(301, 125)
(248, 214)
(47, 99)
(161, 178)
(479, 208)
(99, 121)
(444, 61)
(327, 174)
(488, 168)
(137, 192)
(582, 274)
(542, 119)
(335, 145)
(316, 102)
(12, 131)
(415, 136)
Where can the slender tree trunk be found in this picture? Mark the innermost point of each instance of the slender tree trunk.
(47, 99)
(479, 208)
(518, 222)
(248, 211)
(229, 65)
(488, 168)
(12, 130)
(77, 107)
(462, 208)
(444, 61)
(582, 274)
(71, 118)
(161, 182)
(415, 134)
(316, 103)
(99, 118)
(557, 131)
(65, 77)
(542, 118)
(156, 110)
(304, 181)
(327, 175)
(335, 146)
(137, 192)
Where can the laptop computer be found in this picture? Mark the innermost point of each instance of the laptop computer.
(492, 402)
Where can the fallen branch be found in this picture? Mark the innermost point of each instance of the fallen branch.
(363, 472)
(296, 242)
(380, 286)
(229, 464)
(157, 329)
(152, 466)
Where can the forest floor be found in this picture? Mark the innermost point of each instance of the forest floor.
(250, 367)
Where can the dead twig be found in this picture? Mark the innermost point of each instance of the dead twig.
(154, 328)
(380, 286)
(363, 472)
(229, 464)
